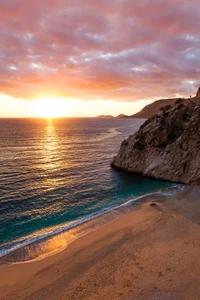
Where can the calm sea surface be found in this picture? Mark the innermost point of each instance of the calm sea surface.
(55, 174)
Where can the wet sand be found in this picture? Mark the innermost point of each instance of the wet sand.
(149, 253)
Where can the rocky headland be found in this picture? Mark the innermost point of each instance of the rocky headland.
(167, 145)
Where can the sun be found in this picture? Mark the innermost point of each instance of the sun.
(48, 108)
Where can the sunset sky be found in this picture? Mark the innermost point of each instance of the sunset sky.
(90, 57)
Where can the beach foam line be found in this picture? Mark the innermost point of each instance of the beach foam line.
(42, 245)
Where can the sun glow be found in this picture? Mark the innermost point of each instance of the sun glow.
(48, 108)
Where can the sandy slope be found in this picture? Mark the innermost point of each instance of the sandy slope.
(149, 253)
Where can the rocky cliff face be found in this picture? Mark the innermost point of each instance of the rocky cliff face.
(198, 93)
(167, 145)
(153, 108)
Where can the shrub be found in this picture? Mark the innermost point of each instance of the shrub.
(141, 134)
(184, 116)
(162, 121)
(179, 100)
(171, 136)
(165, 108)
(181, 105)
(165, 114)
(162, 144)
(139, 145)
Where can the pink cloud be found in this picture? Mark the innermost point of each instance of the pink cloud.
(125, 50)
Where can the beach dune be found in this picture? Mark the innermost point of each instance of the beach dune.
(151, 252)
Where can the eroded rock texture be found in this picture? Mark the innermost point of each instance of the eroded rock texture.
(167, 145)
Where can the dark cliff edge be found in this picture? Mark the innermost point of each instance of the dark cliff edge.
(167, 145)
(153, 108)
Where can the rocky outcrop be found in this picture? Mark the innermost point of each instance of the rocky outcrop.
(198, 93)
(154, 108)
(167, 145)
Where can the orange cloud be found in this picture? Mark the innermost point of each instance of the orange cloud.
(123, 50)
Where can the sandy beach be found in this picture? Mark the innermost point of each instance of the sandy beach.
(149, 253)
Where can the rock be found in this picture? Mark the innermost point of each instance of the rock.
(154, 108)
(152, 204)
(198, 93)
(167, 145)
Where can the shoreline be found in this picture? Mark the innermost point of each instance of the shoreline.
(60, 239)
(147, 253)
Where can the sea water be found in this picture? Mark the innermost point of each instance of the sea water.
(55, 176)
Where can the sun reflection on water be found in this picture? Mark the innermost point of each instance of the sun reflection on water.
(51, 155)
(50, 144)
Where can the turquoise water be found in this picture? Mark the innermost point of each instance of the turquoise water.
(55, 174)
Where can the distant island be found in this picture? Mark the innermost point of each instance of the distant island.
(122, 116)
(151, 109)
(105, 117)
(109, 116)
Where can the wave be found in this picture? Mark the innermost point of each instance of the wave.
(55, 239)
(112, 132)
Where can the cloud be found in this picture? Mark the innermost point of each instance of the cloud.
(123, 50)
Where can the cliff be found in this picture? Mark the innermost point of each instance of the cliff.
(153, 108)
(166, 145)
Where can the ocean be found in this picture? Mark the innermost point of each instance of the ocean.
(55, 177)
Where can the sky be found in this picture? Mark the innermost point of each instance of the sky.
(90, 57)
